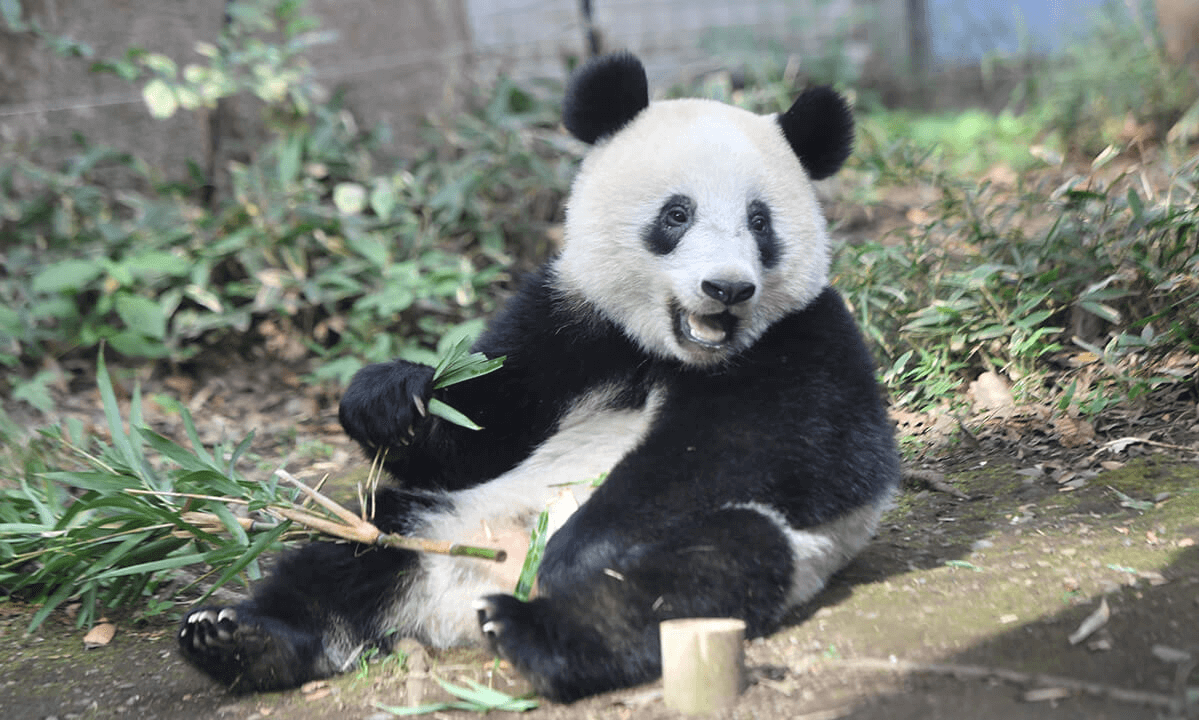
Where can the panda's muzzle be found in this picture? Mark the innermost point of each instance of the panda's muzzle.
(714, 330)
(710, 331)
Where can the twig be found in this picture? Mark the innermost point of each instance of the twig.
(932, 480)
(211, 523)
(982, 672)
(967, 435)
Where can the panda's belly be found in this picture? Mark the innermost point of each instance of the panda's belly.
(501, 513)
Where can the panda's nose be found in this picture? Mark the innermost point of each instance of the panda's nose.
(729, 292)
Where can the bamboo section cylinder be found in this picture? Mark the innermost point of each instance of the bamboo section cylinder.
(703, 663)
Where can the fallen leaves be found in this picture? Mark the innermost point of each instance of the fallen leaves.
(100, 635)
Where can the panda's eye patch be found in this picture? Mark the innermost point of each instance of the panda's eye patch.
(674, 217)
(763, 232)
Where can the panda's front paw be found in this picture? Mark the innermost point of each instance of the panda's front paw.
(209, 631)
(385, 403)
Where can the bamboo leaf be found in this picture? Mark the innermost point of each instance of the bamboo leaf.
(441, 410)
(112, 413)
(261, 542)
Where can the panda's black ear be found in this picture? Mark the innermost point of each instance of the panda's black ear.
(819, 128)
(604, 95)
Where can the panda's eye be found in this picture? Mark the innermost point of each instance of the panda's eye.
(759, 223)
(677, 215)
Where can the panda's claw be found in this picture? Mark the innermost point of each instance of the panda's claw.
(491, 628)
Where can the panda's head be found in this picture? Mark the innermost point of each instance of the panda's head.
(693, 225)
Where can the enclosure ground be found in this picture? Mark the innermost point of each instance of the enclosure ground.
(960, 608)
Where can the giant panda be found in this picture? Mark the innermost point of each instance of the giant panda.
(686, 347)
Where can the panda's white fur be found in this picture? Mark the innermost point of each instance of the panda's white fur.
(503, 512)
(620, 188)
(696, 358)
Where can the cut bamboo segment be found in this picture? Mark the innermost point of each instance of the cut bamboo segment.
(703, 663)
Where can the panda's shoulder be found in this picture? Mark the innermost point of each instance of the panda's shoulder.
(825, 322)
(819, 345)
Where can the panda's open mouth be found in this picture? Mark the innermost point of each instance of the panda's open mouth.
(710, 331)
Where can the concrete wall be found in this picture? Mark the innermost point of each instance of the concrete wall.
(45, 99)
(397, 61)
(681, 38)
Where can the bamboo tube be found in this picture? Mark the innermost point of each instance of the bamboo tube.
(703, 663)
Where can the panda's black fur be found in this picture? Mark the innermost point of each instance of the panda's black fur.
(735, 411)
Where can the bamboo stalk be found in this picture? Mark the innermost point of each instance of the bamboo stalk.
(346, 526)
(345, 515)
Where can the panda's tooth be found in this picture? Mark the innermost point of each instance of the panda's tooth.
(702, 331)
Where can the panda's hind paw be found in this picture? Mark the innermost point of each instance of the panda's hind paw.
(209, 631)
(491, 613)
(235, 648)
(520, 632)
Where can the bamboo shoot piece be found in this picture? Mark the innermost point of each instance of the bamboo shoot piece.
(703, 663)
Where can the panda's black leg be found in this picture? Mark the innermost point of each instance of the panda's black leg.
(595, 628)
(313, 617)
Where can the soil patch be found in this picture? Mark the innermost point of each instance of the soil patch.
(960, 608)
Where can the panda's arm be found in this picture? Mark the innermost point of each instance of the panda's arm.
(552, 357)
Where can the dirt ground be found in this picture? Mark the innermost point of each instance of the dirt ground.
(963, 607)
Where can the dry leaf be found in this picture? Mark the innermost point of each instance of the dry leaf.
(313, 686)
(1073, 432)
(918, 216)
(991, 392)
(1102, 644)
(99, 636)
